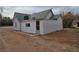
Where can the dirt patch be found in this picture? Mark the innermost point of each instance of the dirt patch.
(11, 40)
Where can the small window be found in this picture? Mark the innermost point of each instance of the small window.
(26, 17)
(28, 25)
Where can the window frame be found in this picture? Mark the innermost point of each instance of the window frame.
(26, 17)
(27, 24)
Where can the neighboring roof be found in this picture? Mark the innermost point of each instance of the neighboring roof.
(42, 15)
(20, 16)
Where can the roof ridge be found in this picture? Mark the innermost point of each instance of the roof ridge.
(21, 13)
(42, 11)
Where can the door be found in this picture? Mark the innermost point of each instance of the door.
(37, 26)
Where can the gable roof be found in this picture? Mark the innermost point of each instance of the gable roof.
(56, 16)
(20, 16)
(38, 16)
(42, 15)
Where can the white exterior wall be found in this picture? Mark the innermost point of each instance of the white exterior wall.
(31, 29)
(18, 25)
(41, 27)
(47, 26)
(60, 23)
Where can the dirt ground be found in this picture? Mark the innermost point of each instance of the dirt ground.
(15, 41)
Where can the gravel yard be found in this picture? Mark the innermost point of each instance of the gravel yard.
(16, 41)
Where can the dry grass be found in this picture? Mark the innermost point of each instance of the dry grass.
(11, 40)
(76, 30)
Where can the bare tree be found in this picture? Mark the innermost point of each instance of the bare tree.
(68, 19)
(1, 9)
(1, 12)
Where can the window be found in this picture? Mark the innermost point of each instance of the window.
(28, 25)
(26, 17)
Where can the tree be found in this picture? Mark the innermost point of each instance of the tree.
(6, 21)
(68, 19)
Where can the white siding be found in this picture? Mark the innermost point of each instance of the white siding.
(31, 29)
(41, 27)
(47, 26)
(60, 24)
(17, 27)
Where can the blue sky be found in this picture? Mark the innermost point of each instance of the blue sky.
(9, 10)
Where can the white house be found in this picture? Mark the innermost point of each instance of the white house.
(41, 23)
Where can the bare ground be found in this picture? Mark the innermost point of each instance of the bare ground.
(11, 40)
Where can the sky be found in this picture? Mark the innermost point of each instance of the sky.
(10, 10)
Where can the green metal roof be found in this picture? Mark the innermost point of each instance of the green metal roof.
(41, 15)
(38, 16)
(20, 16)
